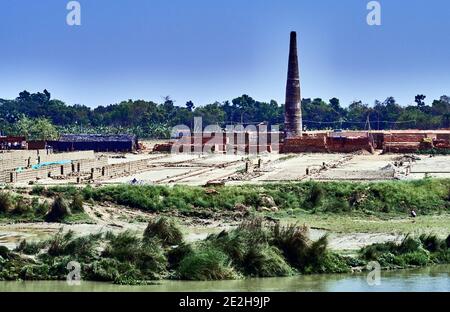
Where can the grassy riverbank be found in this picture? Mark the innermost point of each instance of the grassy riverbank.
(428, 196)
(393, 223)
(19, 206)
(254, 249)
(267, 244)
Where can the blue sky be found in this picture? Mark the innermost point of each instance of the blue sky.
(215, 50)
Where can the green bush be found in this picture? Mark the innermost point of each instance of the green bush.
(416, 258)
(148, 256)
(6, 203)
(432, 243)
(57, 245)
(59, 210)
(83, 248)
(176, 254)
(206, 264)
(29, 248)
(266, 261)
(375, 251)
(22, 207)
(411, 251)
(409, 244)
(441, 257)
(42, 209)
(76, 205)
(38, 190)
(4, 252)
(36, 272)
(111, 270)
(330, 263)
(293, 241)
(164, 229)
(316, 195)
(237, 243)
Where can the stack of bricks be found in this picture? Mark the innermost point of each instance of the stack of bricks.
(401, 147)
(305, 144)
(248, 143)
(163, 148)
(320, 144)
(441, 144)
(403, 143)
(404, 138)
(121, 169)
(349, 145)
(443, 136)
(442, 141)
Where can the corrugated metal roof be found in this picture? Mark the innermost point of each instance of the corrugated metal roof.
(97, 138)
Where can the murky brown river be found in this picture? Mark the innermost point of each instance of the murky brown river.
(435, 278)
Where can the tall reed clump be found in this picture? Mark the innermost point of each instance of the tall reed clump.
(58, 211)
(146, 255)
(262, 250)
(164, 229)
(250, 251)
(206, 263)
(76, 205)
(421, 251)
(6, 203)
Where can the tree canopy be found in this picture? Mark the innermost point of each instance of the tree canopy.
(33, 114)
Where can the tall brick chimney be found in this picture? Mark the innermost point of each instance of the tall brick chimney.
(293, 111)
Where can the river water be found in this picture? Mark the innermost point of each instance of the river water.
(436, 278)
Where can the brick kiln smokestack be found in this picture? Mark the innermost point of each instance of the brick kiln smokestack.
(293, 111)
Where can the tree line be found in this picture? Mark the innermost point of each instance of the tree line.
(38, 116)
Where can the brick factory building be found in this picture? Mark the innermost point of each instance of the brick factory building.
(12, 143)
(95, 142)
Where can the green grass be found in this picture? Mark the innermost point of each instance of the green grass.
(393, 223)
(412, 251)
(425, 196)
(206, 264)
(17, 207)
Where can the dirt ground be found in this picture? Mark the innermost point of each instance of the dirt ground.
(265, 168)
(200, 169)
(346, 233)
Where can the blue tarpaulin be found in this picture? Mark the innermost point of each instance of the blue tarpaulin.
(50, 163)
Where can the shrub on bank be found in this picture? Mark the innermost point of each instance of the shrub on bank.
(164, 229)
(432, 243)
(38, 190)
(266, 261)
(59, 210)
(112, 270)
(22, 207)
(178, 253)
(76, 205)
(29, 248)
(147, 255)
(253, 249)
(425, 250)
(6, 203)
(206, 264)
